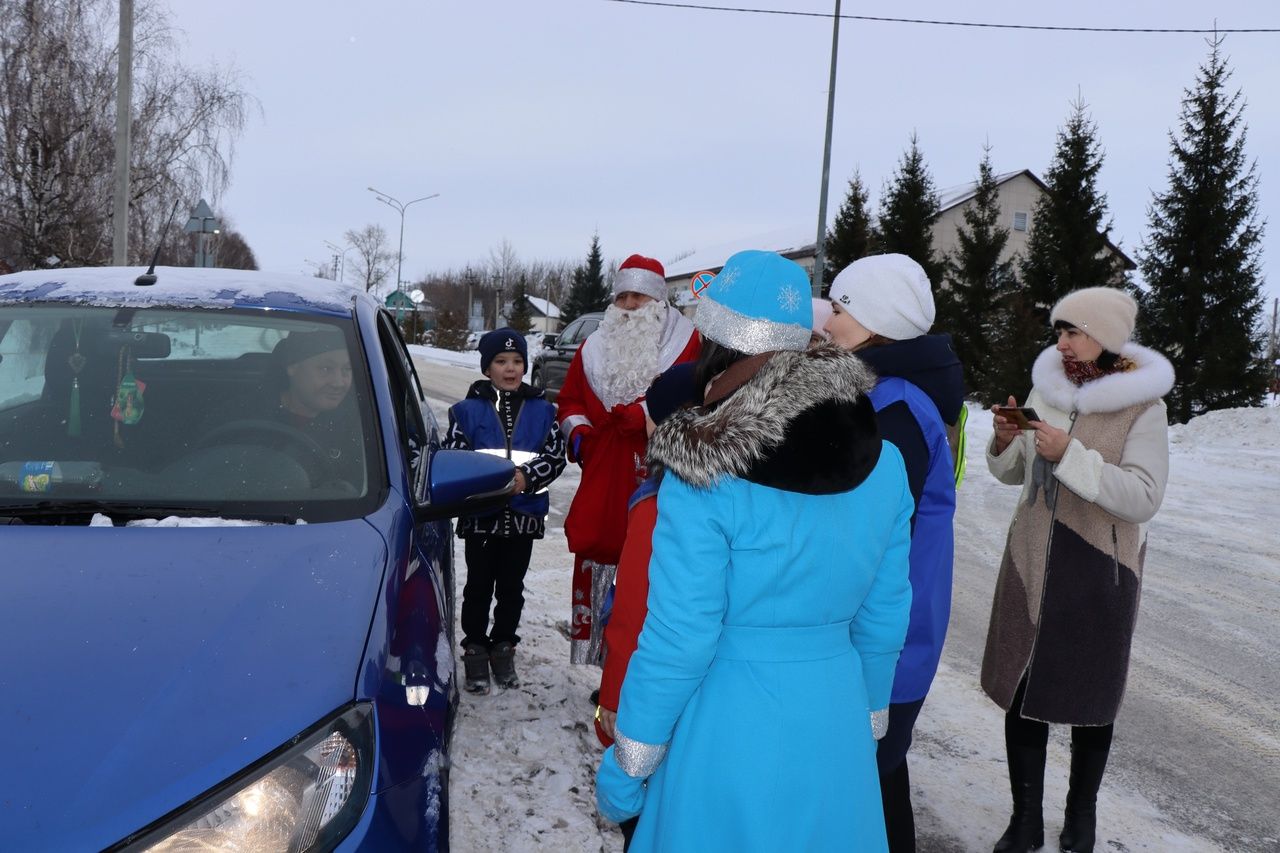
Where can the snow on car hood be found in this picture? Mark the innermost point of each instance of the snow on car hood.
(145, 665)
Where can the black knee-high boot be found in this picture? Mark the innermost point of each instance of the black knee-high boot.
(1026, 781)
(1026, 743)
(1090, 748)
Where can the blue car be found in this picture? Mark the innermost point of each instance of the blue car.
(226, 579)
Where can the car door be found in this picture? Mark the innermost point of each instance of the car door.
(427, 597)
(561, 355)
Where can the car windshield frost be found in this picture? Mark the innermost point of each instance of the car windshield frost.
(226, 412)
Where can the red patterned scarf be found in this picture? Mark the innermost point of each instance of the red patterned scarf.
(1080, 372)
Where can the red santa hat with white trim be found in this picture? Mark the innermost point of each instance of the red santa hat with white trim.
(639, 274)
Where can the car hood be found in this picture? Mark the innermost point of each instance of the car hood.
(143, 666)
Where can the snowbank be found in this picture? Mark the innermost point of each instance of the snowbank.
(1196, 746)
(470, 358)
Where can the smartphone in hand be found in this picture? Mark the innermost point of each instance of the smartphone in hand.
(1020, 415)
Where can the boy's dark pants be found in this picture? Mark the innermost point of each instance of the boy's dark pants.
(496, 566)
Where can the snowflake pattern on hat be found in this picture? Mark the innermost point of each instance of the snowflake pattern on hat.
(757, 303)
(726, 279)
(788, 298)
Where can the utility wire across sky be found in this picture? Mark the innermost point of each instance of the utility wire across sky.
(972, 24)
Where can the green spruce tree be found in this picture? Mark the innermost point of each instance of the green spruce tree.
(975, 308)
(451, 328)
(521, 318)
(588, 292)
(1067, 248)
(852, 235)
(1202, 255)
(908, 210)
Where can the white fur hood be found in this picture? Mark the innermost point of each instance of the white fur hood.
(1150, 379)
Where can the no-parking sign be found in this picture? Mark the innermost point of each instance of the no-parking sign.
(700, 282)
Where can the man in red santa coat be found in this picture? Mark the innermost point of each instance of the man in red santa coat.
(601, 410)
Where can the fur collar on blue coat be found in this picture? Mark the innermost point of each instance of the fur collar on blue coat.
(801, 422)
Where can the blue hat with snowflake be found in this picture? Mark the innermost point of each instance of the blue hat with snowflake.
(759, 302)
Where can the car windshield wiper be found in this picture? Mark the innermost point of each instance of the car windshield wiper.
(115, 509)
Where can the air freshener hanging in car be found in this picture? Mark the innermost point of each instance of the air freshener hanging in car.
(128, 405)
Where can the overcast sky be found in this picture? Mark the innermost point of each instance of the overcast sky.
(666, 130)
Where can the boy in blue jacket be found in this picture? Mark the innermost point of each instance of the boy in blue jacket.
(504, 416)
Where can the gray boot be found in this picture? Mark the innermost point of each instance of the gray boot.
(503, 658)
(475, 664)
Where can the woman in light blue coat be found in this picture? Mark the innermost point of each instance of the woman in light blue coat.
(779, 593)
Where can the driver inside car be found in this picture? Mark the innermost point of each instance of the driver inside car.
(312, 395)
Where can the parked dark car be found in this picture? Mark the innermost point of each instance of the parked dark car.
(551, 364)
(227, 625)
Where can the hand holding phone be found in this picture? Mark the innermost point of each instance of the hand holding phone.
(1020, 415)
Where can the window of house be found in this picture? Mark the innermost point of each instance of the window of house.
(1020, 220)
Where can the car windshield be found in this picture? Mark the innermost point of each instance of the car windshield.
(150, 412)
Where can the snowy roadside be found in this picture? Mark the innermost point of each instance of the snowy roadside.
(525, 759)
(435, 355)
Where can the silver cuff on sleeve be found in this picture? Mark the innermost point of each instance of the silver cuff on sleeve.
(638, 760)
(879, 723)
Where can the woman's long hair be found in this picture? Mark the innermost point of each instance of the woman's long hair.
(713, 360)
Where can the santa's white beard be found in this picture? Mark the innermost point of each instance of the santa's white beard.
(630, 342)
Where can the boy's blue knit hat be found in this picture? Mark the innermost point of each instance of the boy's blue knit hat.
(502, 340)
(759, 302)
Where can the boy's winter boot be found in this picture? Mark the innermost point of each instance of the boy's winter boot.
(1026, 780)
(1079, 826)
(503, 658)
(475, 664)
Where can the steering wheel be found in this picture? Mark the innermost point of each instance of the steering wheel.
(271, 434)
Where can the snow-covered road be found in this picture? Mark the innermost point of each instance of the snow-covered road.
(1196, 761)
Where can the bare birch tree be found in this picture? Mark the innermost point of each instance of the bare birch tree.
(57, 91)
(374, 259)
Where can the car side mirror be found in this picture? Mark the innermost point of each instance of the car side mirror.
(464, 482)
(549, 341)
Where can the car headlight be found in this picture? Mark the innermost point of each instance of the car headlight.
(305, 797)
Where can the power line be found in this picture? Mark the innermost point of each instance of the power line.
(971, 24)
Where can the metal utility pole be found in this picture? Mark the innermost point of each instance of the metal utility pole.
(124, 92)
(394, 204)
(819, 254)
(1273, 357)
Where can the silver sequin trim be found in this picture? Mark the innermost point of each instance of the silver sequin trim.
(591, 650)
(638, 760)
(751, 335)
(879, 723)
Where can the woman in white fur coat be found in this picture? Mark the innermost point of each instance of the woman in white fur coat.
(1093, 471)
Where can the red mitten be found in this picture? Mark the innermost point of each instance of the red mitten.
(629, 417)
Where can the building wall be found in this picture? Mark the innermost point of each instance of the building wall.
(1017, 195)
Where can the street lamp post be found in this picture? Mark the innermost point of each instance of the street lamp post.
(339, 253)
(395, 204)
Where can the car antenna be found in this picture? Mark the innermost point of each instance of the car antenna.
(148, 278)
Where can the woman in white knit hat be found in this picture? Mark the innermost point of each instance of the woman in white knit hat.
(1093, 469)
(882, 309)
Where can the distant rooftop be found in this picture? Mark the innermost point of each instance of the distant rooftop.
(960, 193)
(794, 240)
(545, 308)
